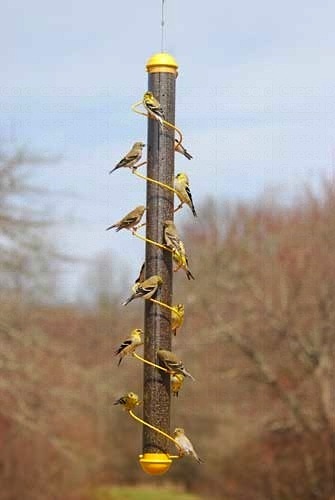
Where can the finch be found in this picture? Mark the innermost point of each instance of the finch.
(173, 242)
(170, 361)
(182, 263)
(171, 237)
(128, 401)
(182, 186)
(185, 445)
(183, 151)
(153, 107)
(129, 345)
(177, 317)
(177, 380)
(130, 220)
(132, 157)
(145, 289)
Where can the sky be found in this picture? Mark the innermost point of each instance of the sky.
(255, 101)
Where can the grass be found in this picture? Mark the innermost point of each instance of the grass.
(139, 493)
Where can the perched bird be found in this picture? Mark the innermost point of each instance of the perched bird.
(183, 151)
(171, 237)
(132, 157)
(185, 445)
(153, 107)
(177, 317)
(145, 289)
(129, 345)
(130, 220)
(182, 263)
(177, 380)
(182, 186)
(170, 361)
(172, 241)
(128, 401)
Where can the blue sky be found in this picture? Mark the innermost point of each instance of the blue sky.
(255, 100)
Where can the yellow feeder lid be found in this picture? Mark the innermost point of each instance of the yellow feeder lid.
(155, 463)
(162, 63)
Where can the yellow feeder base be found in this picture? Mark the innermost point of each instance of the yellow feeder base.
(155, 463)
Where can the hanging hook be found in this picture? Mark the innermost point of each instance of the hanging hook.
(163, 28)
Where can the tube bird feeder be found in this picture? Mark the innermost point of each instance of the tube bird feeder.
(162, 73)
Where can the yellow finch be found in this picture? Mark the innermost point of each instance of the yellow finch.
(171, 237)
(129, 345)
(145, 289)
(177, 317)
(153, 107)
(170, 361)
(132, 157)
(177, 380)
(182, 186)
(185, 445)
(183, 151)
(182, 263)
(128, 401)
(173, 241)
(130, 220)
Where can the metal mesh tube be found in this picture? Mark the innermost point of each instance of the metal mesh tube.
(160, 204)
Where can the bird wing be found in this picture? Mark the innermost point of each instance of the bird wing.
(154, 107)
(176, 242)
(172, 364)
(121, 401)
(188, 191)
(128, 220)
(145, 288)
(130, 157)
(124, 344)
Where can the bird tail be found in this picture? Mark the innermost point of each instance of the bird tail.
(187, 155)
(115, 168)
(161, 122)
(187, 374)
(189, 275)
(198, 459)
(119, 361)
(193, 210)
(117, 351)
(111, 227)
(175, 332)
(126, 302)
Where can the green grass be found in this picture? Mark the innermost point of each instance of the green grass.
(139, 493)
